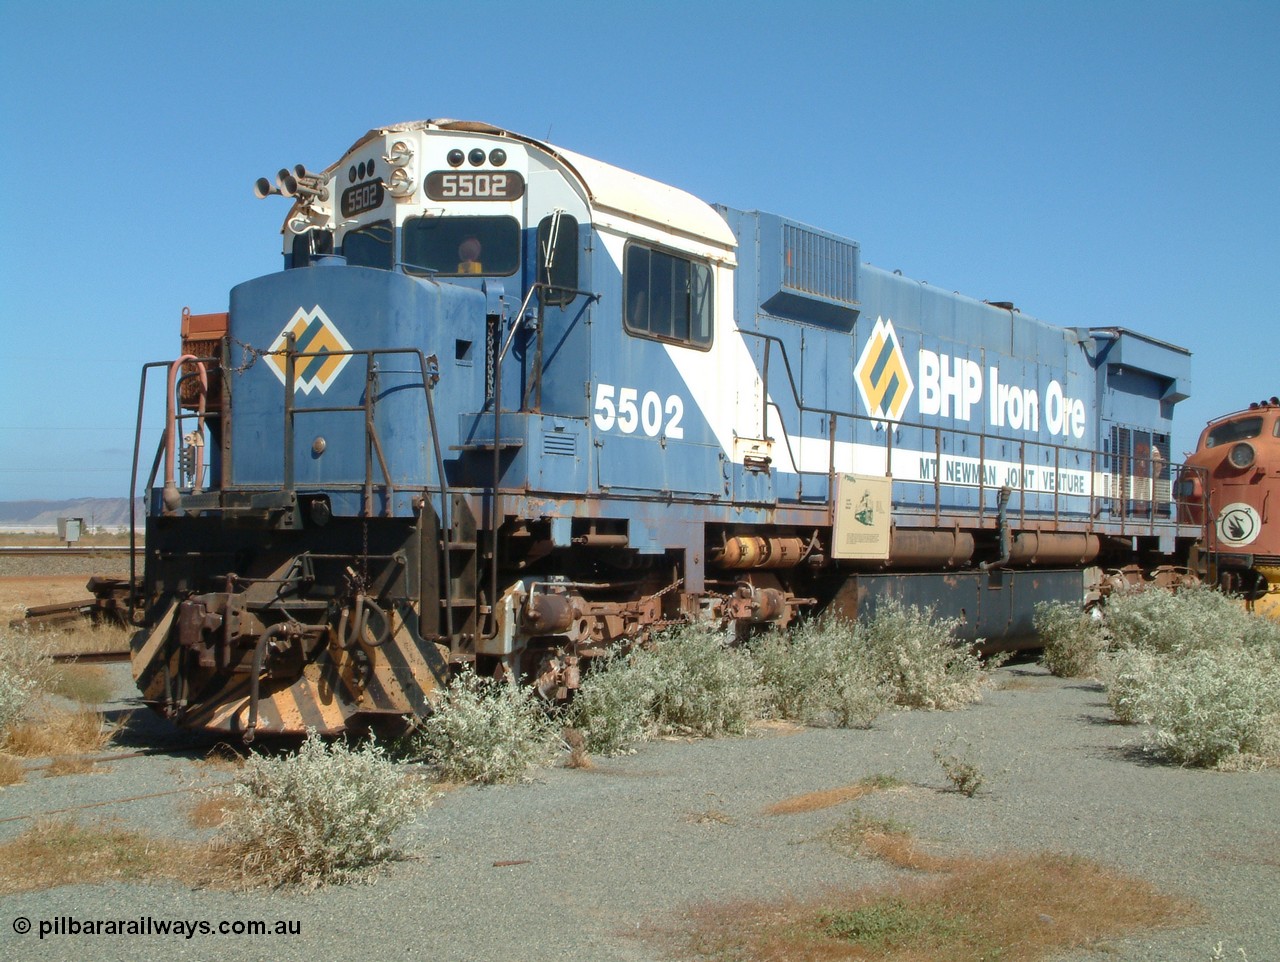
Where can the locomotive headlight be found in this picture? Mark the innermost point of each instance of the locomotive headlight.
(1241, 455)
(400, 183)
(1189, 488)
(401, 153)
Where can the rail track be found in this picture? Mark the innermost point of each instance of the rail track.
(91, 658)
(59, 551)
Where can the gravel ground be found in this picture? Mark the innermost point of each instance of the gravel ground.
(601, 855)
(112, 563)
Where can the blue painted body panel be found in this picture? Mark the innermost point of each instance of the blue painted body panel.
(375, 311)
(1117, 378)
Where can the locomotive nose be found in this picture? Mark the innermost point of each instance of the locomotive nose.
(348, 352)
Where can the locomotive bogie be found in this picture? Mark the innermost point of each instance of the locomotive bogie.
(509, 407)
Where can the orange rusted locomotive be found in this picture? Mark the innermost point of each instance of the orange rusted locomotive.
(1237, 465)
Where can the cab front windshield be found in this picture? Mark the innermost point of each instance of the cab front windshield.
(461, 246)
(1231, 431)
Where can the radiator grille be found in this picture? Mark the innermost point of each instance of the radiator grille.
(819, 265)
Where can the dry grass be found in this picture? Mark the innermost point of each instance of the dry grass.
(887, 841)
(86, 684)
(88, 539)
(210, 808)
(53, 853)
(12, 771)
(87, 638)
(1017, 908)
(1023, 684)
(1262, 851)
(224, 757)
(831, 797)
(59, 733)
(710, 816)
(579, 757)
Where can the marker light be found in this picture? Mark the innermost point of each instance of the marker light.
(456, 157)
(476, 156)
(497, 156)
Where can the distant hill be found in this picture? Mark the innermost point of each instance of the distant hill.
(110, 512)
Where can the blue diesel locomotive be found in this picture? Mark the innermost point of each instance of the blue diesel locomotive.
(507, 406)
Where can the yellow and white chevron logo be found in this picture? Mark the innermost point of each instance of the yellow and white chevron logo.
(315, 336)
(884, 382)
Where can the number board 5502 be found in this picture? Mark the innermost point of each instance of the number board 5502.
(625, 410)
(475, 185)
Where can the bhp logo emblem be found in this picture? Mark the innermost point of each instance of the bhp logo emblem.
(317, 336)
(882, 376)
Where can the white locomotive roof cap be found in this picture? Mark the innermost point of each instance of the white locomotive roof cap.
(608, 187)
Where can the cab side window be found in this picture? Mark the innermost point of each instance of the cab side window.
(369, 246)
(558, 259)
(667, 296)
(310, 245)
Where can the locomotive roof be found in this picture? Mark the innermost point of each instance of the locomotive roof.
(608, 188)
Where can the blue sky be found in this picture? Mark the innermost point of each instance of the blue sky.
(1097, 163)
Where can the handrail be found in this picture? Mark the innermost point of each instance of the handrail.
(171, 497)
(428, 370)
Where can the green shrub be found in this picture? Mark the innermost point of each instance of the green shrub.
(1191, 619)
(915, 653)
(1073, 640)
(960, 766)
(484, 730)
(1216, 707)
(1131, 677)
(614, 707)
(25, 667)
(701, 686)
(819, 674)
(325, 815)
(689, 682)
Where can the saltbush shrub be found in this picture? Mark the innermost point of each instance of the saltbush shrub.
(25, 666)
(1073, 640)
(1190, 619)
(701, 685)
(614, 707)
(1218, 708)
(482, 730)
(818, 674)
(916, 654)
(325, 815)
(689, 682)
(1131, 677)
(1202, 671)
